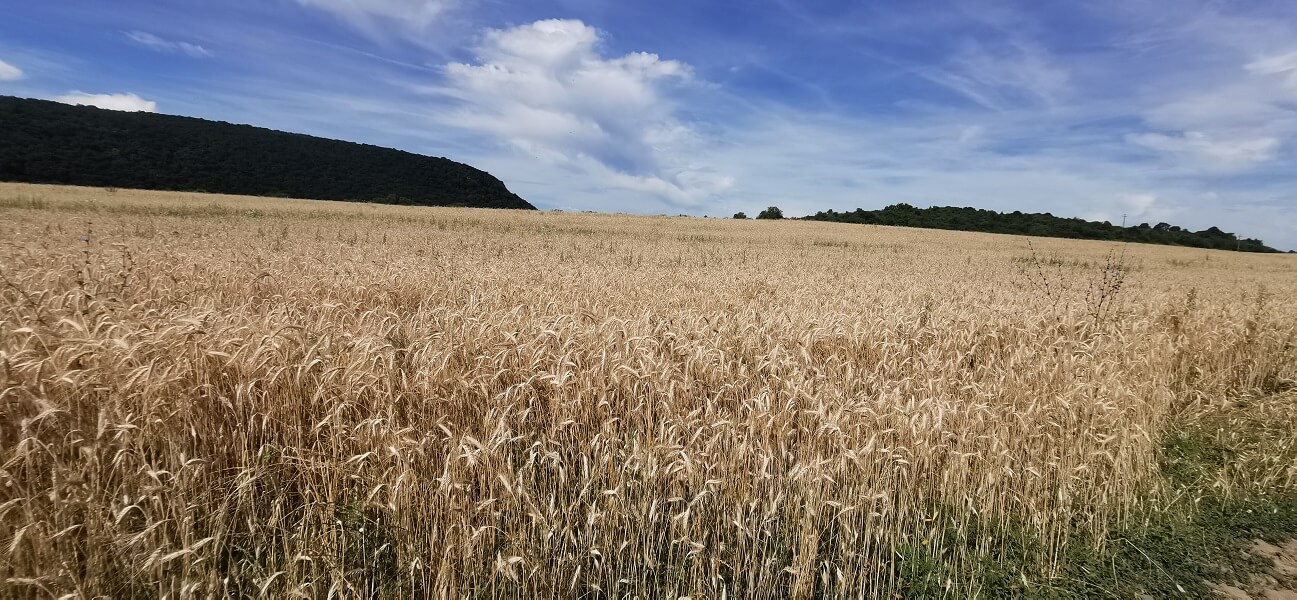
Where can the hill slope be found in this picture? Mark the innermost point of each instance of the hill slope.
(48, 142)
(1041, 225)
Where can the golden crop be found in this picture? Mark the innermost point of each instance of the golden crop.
(208, 395)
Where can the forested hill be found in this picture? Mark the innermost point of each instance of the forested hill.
(48, 142)
(1041, 225)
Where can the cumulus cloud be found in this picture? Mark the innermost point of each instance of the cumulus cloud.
(9, 72)
(123, 102)
(370, 16)
(157, 44)
(1211, 151)
(547, 89)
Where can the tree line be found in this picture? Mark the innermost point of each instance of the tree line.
(1035, 224)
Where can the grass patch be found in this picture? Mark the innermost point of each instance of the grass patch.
(1203, 540)
(1174, 556)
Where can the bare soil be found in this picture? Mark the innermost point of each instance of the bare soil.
(1278, 584)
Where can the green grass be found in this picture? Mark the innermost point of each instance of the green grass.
(1180, 553)
(1176, 553)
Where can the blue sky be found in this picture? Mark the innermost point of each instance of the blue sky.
(1182, 112)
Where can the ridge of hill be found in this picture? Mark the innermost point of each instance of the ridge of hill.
(49, 142)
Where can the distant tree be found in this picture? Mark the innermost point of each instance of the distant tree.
(1041, 224)
(740, 215)
(771, 213)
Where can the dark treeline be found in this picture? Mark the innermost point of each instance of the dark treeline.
(48, 142)
(1041, 225)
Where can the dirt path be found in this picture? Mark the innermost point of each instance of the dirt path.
(1279, 584)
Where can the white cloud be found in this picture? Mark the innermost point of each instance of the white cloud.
(370, 16)
(1217, 153)
(1134, 208)
(1138, 205)
(1146, 207)
(1256, 97)
(1232, 117)
(158, 44)
(123, 102)
(546, 89)
(9, 72)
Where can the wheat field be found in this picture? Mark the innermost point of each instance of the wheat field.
(221, 396)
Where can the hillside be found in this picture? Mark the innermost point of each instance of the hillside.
(1042, 225)
(48, 142)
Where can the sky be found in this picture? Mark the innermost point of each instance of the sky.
(1182, 112)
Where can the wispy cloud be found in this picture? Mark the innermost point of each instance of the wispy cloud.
(1003, 75)
(9, 72)
(122, 102)
(158, 44)
(1228, 118)
(375, 17)
(1270, 65)
(1210, 152)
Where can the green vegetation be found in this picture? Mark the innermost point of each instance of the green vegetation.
(740, 215)
(1179, 553)
(48, 142)
(1041, 225)
(771, 213)
(1164, 555)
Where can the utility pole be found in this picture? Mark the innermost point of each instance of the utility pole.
(1123, 220)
